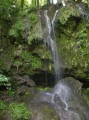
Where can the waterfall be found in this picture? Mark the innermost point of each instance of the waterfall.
(60, 90)
(50, 41)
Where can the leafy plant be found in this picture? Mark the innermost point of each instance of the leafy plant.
(8, 9)
(4, 81)
(36, 63)
(33, 18)
(66, 12)
(81, 36)
(16, 29)
(26, 56)
(19, 111)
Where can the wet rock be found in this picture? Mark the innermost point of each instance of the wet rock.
(25, 89)
(65, 99)
(43, 112)
(24, 80)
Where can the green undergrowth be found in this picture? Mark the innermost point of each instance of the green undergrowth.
(15, 111)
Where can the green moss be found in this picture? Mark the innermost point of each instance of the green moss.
(49, 113)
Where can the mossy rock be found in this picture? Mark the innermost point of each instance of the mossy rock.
(43, 112)
(49, 113)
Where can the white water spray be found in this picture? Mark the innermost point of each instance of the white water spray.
(63, 93)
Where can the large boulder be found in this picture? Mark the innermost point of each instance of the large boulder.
(65, 100)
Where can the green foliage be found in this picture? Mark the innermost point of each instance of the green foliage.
(30, 39)
(2, 105)
(19, 111)
(81, 36)
(32, 61)
(67, 12)
(33, 36)
(34, 33)
(36, 63)
(17, 29)
(26, 56)
(82, 33)
(33, 18)
(4, 81)
(8, 9)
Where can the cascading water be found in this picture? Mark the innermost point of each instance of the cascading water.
(64, 93)
(60, 90)
(50, 41)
